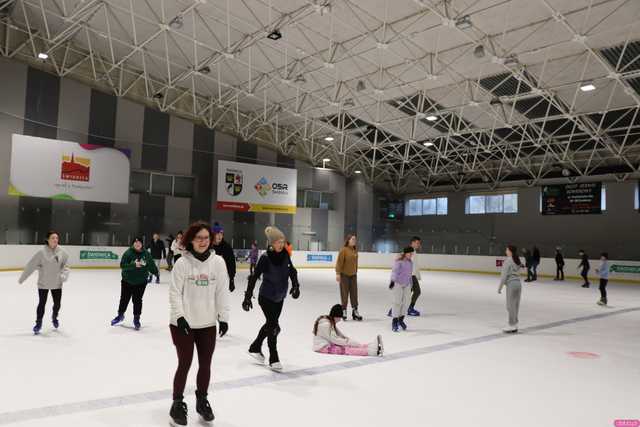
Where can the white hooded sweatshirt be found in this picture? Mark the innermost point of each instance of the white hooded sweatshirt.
(199, 291)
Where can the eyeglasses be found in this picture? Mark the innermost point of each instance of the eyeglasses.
(201, 238)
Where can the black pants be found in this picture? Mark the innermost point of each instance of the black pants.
(559, 272)
(585, 275)
(415, 291)
(252, 268)
(270, 329)
(529, 273)
(128, 292)
(204, 340)
(169, 261)
(534, 269)
(42, 301)
(603, 290)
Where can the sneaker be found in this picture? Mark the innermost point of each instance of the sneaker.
(394, 325)
(118, 319)
(389, 313)
(37, 327)
(380, 345)
(178, 413)
(413, 312)
(204, 408)
(55, 322)
(402, 324)
(276, 366)
(136, 323)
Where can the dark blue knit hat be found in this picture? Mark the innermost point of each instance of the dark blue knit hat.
(217, 228)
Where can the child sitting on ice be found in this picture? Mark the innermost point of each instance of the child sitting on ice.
(329, 340)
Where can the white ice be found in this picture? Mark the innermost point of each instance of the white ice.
(525, 380)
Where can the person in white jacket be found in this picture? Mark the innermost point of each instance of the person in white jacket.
(329, 340)
(198, 299)
(177, 247)
(53, 270)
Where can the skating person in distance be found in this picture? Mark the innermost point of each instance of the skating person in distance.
(253, 258)
(329, 340)
(158, 253)
(198, 299)
(559, 264)
(224, 249)
(276, 269)
(584, 267)
(169, 240)
(53, 270)
(416, 244)
(176, 247)
(535, 262)
(510, 278)
(401, 287)
(136, 265)
(347, 276)
(603, 272)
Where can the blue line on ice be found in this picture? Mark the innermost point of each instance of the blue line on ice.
(132, 399)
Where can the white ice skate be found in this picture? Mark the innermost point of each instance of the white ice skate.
(276, 366)
(380, 346)
(511, 329)
(259, 357)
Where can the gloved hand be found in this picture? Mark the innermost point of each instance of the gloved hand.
(232, 285)
(224, 327)
(183, 326)
(391, 284)
(295, 291)
(247, 304)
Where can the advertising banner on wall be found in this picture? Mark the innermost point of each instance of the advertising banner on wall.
(255, 188)
(572, 199)
(55, 169)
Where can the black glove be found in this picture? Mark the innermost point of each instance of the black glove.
(295, 291)
(391, 284)
(183, 326)
(224, 327)
(232, 286)
(247, 304)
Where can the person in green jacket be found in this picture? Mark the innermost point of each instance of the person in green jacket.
(136, 264)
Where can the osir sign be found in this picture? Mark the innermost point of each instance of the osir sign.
(256, 188)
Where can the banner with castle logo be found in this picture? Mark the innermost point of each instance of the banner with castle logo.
(55, 169)
(256, 188)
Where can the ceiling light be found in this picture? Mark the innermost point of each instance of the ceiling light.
(349, 102)
(326, 160)
(204, 70)
(432, 118)
(360, 86)
(358, 172)
(300, 79)
(275, 35)
(329, 138)
(478, 52)
(464, 22)
(176, 23)
(587, 87)
(511, 60)
(158, 95)
(428, 144)
(43, 56)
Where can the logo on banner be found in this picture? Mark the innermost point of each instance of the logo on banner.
(75, 168)
(233, 181)
(262, 187)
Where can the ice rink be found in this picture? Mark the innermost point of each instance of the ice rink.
(452, 367)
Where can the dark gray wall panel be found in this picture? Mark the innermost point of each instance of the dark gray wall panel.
(202, 169)
(320, 224)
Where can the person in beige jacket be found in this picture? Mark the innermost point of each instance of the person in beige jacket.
(347, 276)
(51, 262)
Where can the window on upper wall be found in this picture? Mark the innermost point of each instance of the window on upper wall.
(161, 184)
(491, 203)
(315, 199)
(434, 206)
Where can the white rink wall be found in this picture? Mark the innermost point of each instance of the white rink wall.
(14, 257)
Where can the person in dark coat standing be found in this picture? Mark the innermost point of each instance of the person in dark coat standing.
(584, 268)
(169, 241)
(559, 264)
(528, 260)
(158, 253)
(224, 249)
(535, 262)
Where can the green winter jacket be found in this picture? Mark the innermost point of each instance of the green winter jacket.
(137, 275)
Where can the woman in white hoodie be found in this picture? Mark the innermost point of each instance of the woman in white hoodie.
(329, 340)
(53, 270)
(199, 299)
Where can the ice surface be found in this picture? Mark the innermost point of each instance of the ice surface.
(91, 374)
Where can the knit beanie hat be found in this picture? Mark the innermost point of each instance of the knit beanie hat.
(408, 250)
(336, 311)
(273, 234)
(217, 228)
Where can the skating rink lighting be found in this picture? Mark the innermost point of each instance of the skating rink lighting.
(587, 87)
(43, 55)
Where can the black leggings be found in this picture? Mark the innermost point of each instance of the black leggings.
(205, 342)
(128, 292)
(559, 272)
(270, 329)
(42, 301)
(415, 291)
(585, 275)
(603, 289)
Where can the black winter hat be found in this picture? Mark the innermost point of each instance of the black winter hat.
(336, 311)
(137, 239)
(408, 250)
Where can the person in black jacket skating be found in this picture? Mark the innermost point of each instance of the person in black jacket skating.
(169, 241)
(224, 249)
(276, 269)
(528, 260)
(158, 253)
(559, 264)
(584, 268)
(535, 262)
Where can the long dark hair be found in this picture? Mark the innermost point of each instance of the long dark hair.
(190, 234)
(514, 254)
(346, 241)
(336, 311)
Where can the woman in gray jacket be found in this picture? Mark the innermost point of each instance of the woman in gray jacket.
(53, 270)
(511, 279)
